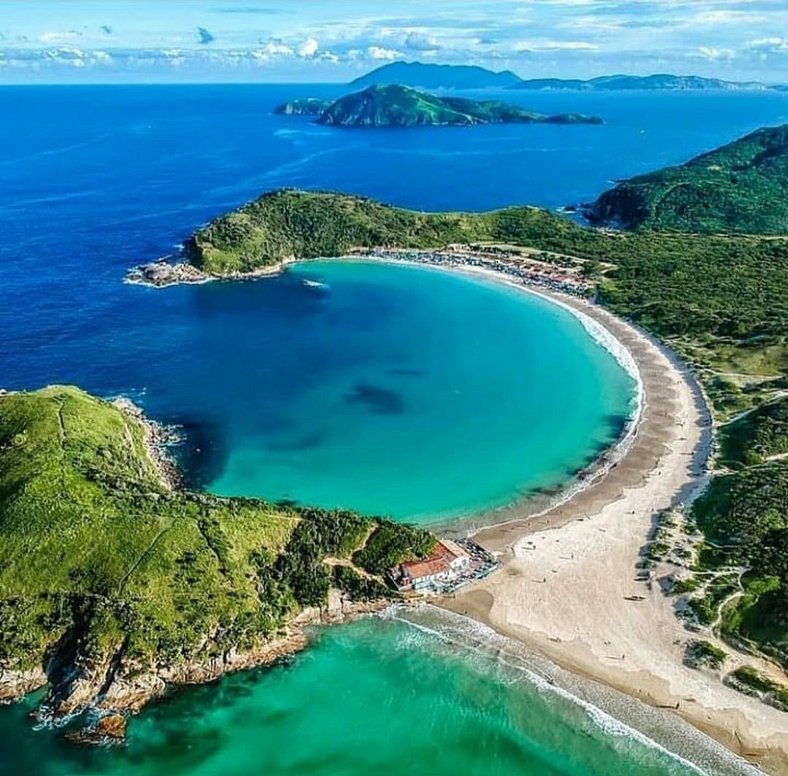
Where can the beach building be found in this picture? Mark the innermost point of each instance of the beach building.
(446, 563)
(457, 556)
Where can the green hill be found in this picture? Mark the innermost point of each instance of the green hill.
(402, 106)
(436, 76)
(655, 82)
(741, 187)
(113, 584)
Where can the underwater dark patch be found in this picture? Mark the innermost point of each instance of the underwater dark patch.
(380, 401)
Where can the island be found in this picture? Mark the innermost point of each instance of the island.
(651, 83)
(436, 76)
(741, 187)
(429, 75)
(403, 106)
(117, 582)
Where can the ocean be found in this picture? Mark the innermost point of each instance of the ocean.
(389, 389)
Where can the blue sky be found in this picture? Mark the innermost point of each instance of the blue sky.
(334, 40)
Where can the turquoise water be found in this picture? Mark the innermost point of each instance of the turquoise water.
(374, 697)
(404, 390)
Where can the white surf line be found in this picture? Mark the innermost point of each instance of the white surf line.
(602, 719)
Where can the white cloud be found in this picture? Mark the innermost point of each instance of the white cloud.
(308, 48)
(546, 44)
(60, 37)
(714, 54)
(772, 45)
(418, 41)
(378, 52)
(276, 48)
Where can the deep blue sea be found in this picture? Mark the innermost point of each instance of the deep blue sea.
(280, 387)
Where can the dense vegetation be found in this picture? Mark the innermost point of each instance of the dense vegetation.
(744, 516)
(741, 187)
(102, 561)
(757, 436)
(296, 224)
(402, 106)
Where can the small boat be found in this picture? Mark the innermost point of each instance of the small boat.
(315, 284)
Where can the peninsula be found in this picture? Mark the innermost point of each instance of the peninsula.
(741, 187)
(403, 106)
(117, 583)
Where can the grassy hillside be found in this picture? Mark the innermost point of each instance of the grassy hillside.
(741, 187)
(298, 224)
(758, 436)
(102, 561)
(744, 518)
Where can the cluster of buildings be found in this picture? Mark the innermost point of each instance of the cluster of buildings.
(451, 565)
(526, 271)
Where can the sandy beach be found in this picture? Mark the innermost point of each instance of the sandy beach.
(569, 574)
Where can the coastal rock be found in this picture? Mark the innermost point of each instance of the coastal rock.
(108, 729)
(16, 684)
(163, 273)
(310, 106)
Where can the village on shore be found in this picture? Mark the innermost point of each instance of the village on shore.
(549, 271)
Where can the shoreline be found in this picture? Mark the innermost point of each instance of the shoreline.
(613, 711)
(604, 519)
(607, 458)
(570, 612)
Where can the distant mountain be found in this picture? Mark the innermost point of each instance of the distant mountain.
(431, 76)
(657, 82)
(741, 187)
(402, 106)
(311, 106)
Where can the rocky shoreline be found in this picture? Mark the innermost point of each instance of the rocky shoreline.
(100, 695)
(107, 695)
(158, 439)
(164, 273)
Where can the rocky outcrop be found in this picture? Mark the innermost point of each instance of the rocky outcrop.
(310, 106)
(106, 730)
(162, 273)
(16, 684)
(115, 688)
